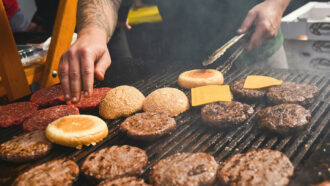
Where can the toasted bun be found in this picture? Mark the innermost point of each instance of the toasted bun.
(77, 130)
(200, 77)
(166, 100)
(121, 101)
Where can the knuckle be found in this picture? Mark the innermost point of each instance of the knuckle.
(62, 71)
(74, 75)
(87, 71)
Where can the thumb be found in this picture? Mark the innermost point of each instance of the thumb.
(102, 65)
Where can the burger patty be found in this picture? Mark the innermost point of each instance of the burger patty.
(41, 119)
(55, 172)
(26, 147)
(126, 181)
(290, 92)
(47, 97)
(115, 162)
(92, 101)
(148, 125)
(225, 114)
(248, 95)
(256, 167)
(191, 169)
(284, 118)
(16, 113)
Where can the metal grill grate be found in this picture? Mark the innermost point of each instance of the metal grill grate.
(192, 136)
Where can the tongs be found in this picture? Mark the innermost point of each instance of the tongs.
(226, 66)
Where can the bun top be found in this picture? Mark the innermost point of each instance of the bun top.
(166, 100)
(121, 101)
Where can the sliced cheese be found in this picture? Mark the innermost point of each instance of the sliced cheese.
(209, 94)
(256, 82)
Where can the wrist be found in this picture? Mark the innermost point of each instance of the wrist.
(88, 32)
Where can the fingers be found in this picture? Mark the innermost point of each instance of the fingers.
(257, 39)
(247, 23)
(102, 65)
(63, 73)
(87, 73)
(74, 75)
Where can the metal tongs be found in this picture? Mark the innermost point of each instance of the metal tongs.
(226, 66)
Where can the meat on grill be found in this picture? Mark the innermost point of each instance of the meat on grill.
(191, 169)
(47, 97)
(246, 95)
(125, 181)
(284, 118)
(291, 92)
(55, 172)
(257, 167)
(148, 126)
(26, 147)
(226, 114)
(16, 113)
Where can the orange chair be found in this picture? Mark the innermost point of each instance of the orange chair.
(15, 79)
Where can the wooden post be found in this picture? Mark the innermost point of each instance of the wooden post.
(61, 39)
(11, 68)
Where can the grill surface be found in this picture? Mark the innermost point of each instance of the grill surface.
(192, 136)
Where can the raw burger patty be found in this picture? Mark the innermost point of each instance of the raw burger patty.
(41, 119)
(16, 113)
(191, 169)
(225, 114)
(55, 172)
(115, 162)
(256, 167)
(290, 92)
(126, 181)
(92, 101)
(284, 118)
(247, 95)
(26, 147)
(148, 125)
(47, 97)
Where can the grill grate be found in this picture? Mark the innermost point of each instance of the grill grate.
(192, 136)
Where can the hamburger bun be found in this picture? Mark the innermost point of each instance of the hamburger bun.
(77, 130)
(200, 77)
(166, 100)
(121, 101)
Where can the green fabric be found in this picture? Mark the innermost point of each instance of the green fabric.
(195, 28)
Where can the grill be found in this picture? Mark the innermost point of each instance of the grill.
(192, 136)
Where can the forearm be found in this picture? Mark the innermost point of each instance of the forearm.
(97, 14)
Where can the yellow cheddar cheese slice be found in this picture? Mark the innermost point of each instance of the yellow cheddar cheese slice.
(256, 82)
(210, 93)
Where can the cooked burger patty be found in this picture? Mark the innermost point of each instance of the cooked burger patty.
(256, 167)
(224, 114)
(290, 92)
(126, 181)
(248, 95)
(191, 169)
(284, 118)
(26, 147)
(93, 100)
(56, 172)
(47, 97)
(16, 113)
(41, 119)
(148, 125)
(115, 162)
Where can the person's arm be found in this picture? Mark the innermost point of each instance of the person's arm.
(266, 17)
(89, 55)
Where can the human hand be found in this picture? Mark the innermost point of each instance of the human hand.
(266, 17)
(89, 55)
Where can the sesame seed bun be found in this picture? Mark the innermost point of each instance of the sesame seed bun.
(200, 77)
(121, 101)
(77, 130)
(166, 100)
